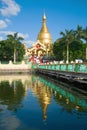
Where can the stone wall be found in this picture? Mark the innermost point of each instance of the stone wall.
(15, 68)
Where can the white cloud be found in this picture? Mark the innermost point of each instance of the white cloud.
(1, 38)
(29, 43)
(3, 24)
(25, 36)
(10, 7)
(6, 32)
(11, 122)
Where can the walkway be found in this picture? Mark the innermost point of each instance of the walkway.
(72, 72)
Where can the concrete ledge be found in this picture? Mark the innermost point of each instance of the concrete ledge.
(13, 68)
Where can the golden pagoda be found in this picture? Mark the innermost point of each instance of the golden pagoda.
(44, 35)
(43, 45)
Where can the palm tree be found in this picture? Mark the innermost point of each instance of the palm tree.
(84, 36)
(14, 39)
(78, 32)
(67, 37)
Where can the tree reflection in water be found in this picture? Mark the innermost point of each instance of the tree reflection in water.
(11, 94)
(34, 99)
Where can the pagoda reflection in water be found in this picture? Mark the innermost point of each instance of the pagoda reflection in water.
(13, 89)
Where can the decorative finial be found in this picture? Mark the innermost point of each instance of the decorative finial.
(44, 17)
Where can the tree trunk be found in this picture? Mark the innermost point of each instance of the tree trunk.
(86, 53)
(67, 60)
(14, 55)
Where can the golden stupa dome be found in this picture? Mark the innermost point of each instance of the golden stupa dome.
(44, 35)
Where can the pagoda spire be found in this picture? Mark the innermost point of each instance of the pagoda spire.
(44, 36)
(44, 17)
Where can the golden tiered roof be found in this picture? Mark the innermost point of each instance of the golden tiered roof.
(44, 35)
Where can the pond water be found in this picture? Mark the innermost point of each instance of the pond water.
(29, 102)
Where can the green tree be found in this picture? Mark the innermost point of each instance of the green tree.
(5, 51)
(72, 42)
(84, 36)
(14, 39)
(77, 50)
(59, 50)
(67, 38)
(78, 32)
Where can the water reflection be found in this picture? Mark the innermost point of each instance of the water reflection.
(66, 97)
(11, 94)
(43, 93)
(14, 91)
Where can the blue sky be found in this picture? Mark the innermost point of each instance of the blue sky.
(25, 17)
